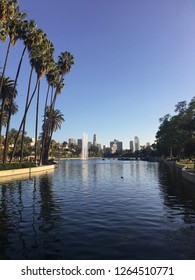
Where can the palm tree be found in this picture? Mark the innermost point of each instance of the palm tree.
(65, 63)
(6, 94)
(14, 110)
(36, 123)
(56, 79)
(53, 121)
(11, 22)
(24, 122)
(23, 29)
(31, 40)
(53, 79)
(41, 59)
(3, 20)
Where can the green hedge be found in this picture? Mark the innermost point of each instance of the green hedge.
(17, 165)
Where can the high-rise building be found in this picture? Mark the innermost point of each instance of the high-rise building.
(136, 142)
(131, 146)
(71, 141)
(116, 146)
(119, 146)
(89, 145)
(99, 147)
(79, 142)
(95, 140)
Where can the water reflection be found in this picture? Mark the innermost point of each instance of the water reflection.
(98, 210)
(85, 172)
(179, 195)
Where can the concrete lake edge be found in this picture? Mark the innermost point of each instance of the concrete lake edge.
(186, 173)
(25, 171)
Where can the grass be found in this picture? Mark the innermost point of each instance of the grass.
(16, 165)
(187, 163)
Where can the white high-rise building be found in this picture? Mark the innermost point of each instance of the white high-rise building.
(137, 145)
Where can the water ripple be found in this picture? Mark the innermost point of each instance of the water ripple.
(98, 210)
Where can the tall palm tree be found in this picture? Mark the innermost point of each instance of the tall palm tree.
(12, 20)
(36, 123)
(56, 79)
(31, 40)
(65, 63)
(41, 59)
(22, 31)
(52, 78)
(24, 122)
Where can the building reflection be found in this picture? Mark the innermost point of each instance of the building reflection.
(85, 174)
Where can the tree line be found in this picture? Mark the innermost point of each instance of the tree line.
(176, 134)
(14, 27)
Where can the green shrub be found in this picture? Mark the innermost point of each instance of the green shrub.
(16, 165)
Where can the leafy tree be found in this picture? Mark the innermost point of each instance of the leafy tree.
(176, 134)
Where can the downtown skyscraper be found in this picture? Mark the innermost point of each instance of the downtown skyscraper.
(136, 143)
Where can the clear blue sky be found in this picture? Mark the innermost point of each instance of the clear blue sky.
(134, 60)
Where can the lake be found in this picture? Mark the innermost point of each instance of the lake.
(98, 209)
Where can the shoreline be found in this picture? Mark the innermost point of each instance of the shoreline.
(25, 171)
(186, 173)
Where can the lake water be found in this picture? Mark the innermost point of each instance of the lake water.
(98, 209)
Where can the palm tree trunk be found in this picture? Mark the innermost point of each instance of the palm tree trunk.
(36, 126)
(10, 107)
(171, 152)
(1, 82)
(5, 64)
(55, 94)
(52, 95)
(1, 117)
(43, 133)
(22, 122)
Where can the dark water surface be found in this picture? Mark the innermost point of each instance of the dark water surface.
(98, 209)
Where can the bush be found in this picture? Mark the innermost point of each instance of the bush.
(17, 165)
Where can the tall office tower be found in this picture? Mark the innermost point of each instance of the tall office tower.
(71, 141)
(136, 141)
(131, 146)
(116, 145)
(119, 146)
(79, 142)
(94, 140)
(113, 143)
(89, 145)
(99, 147)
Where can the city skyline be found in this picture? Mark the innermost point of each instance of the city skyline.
(134, 61)
(93, 140)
